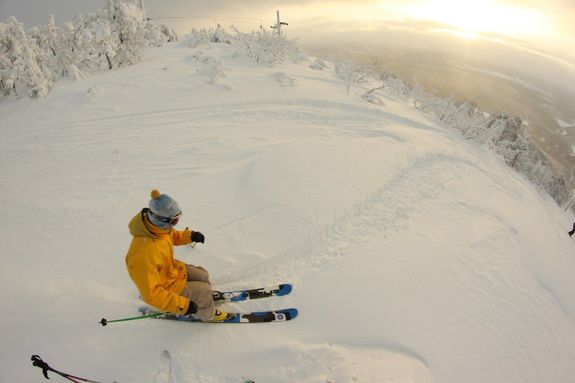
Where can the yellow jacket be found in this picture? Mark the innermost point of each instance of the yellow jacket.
(151, 264)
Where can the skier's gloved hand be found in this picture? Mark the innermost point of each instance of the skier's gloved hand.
(192, 308)
(198, 237)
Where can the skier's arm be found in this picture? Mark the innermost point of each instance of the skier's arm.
(186, 236)
(181, 237)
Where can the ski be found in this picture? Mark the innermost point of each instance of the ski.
(249, 294)
(228, 296)
(253, 317)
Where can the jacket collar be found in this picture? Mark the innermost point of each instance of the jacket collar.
(140, 226)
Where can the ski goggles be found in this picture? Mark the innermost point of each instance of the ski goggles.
(172, 221)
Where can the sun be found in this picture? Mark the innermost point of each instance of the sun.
(481, 16)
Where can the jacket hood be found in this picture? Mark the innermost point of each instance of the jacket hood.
(140, 226)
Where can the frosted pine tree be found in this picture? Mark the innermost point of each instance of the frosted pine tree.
(49, 41)
(92, 44)
(22, 70)
(47, 37)
(128, 27)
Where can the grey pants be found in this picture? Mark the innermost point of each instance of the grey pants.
(199, 290)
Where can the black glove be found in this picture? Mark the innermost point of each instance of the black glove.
(192, 308)
(198, 237)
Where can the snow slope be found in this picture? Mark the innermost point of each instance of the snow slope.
(416, 256)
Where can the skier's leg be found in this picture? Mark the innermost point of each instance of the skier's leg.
(201, 294)
(197, 273)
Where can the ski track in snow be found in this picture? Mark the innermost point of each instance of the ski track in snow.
(380, 213)
(351, 118)
(164, 373)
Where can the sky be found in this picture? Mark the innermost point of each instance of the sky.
(546, 24)
(541, 28)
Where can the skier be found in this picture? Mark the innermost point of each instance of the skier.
(572, 231)
(164, 282)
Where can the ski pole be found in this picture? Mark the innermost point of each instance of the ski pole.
(104, 321)
(38, 362)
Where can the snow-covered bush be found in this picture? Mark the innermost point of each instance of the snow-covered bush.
(210, 66)
(159, 35)
(318, 64)
(203, 36)
(284, 80)
(373, 98)
(266, 47)
(350, 73)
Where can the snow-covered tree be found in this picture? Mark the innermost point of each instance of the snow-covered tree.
(47, 37)
(91, 45)
(350, 73)
(22, 70)
(128, 27)
(394, 85)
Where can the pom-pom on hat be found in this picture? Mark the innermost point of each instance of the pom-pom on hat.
(163, 209)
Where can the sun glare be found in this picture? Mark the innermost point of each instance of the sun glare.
(473, 17)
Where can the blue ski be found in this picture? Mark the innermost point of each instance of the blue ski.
(249, 294)
(254, 317)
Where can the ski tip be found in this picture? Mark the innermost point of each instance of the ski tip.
(285, 289)
(289, 313)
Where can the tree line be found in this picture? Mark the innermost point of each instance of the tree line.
(32, 60)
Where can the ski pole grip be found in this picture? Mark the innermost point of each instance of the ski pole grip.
(38, 362)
